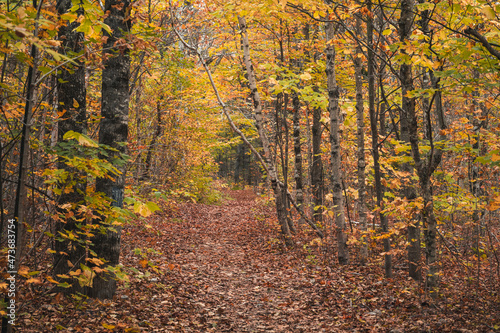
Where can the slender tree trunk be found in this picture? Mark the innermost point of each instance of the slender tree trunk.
(71, 96)
(479, 122)
(335, 119)
(426, 168)
(259, 124)
(317, 166)
(297, 148)
(238, 164)
(156, 135)
(284, 164)
(113, 132)
(308, 192)
(17, 229)
(360, 122)
(375, 142)
(405, 25)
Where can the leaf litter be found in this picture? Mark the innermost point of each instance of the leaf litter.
(223, 268)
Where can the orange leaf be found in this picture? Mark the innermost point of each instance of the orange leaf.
(50, 279)
(144, 263)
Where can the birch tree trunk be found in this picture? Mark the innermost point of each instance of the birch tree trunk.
(360, 123)
(317, 166)
(297, 148)
(336, 176)
(259, 124)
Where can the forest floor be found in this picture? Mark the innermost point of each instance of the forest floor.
(222, 268)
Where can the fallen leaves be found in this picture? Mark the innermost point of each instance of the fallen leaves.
(222, 269)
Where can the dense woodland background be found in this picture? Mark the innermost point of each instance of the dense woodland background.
(371, 128)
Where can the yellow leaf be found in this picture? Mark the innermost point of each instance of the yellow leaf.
(81, 138)
(144, 263)
(34, 280)
(109, 327)
(142, 209)
(69, 16)
(75, 103)
(306, 76)
(488, 12)
(495, 158)
(316, 241)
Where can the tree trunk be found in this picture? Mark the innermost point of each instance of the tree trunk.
(426, 168)
(476, 182)
(317, 166)
(297, 148)
(405, 25)
(259, 124)
(16, 238)
(336, 176)
(238, 164)
(375, 142)
(113, 132)
(151, 147)
(360, 122)
(71, 97)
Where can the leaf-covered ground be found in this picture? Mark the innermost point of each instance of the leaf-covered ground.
(221, 268)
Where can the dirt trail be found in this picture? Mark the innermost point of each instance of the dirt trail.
(231, 281)
(220, 269)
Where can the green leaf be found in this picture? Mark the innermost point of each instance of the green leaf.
(153, 207)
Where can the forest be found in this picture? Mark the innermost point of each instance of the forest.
(250, 166)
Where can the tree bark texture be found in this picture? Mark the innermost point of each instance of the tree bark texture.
(297, 148)
(336, 175)
(425, 167)
(360, 124)
(405, 25)
(317, 166)
(113, 132)
(71, 96)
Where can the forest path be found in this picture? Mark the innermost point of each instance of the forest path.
(220, 268)
(228, 279)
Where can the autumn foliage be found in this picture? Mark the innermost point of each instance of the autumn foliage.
(297, 166)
